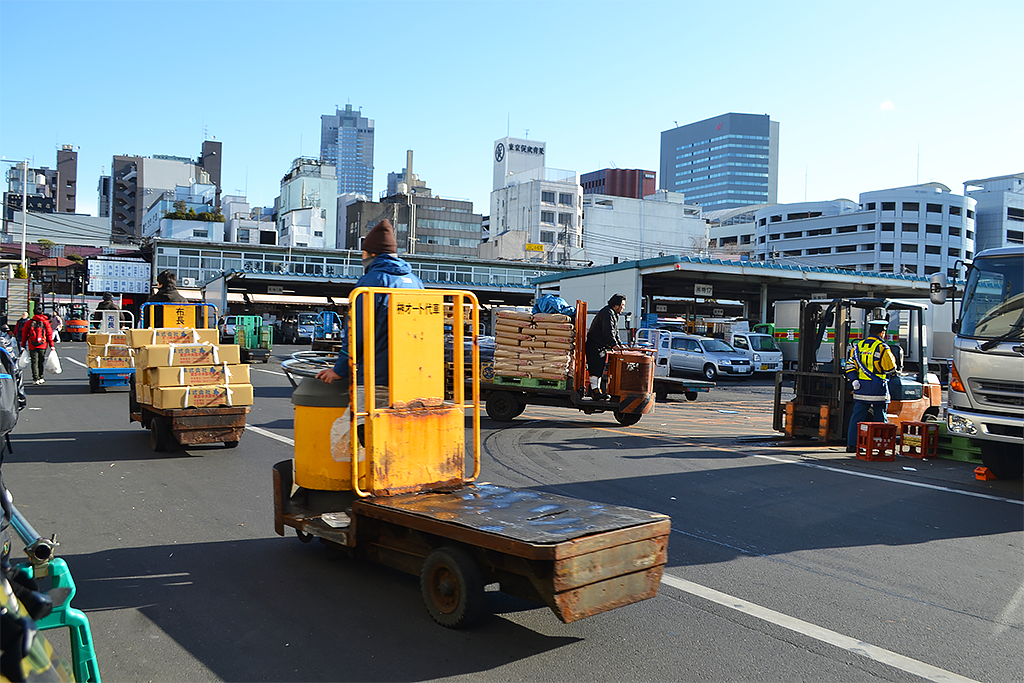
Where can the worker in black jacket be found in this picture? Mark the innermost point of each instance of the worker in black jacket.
(602, 337)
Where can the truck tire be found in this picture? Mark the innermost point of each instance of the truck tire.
(452, 587)
(159, 434)
(691, 395)
(94, 384)
(661, 395)
(1003, 460)
(710, 373)
(627, 419)
(502, 406)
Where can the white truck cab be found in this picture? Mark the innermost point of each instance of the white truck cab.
(764, 354)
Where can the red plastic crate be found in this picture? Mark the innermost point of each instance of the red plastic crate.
(919, 440)
(876, 441)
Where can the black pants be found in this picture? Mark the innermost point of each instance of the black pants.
(596, 361)
(37, 358)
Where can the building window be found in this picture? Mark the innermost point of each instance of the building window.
(953, 252)
(1015, 236)
(931, 270)
(932, 249)
(793, 235)
(910, 270)
(871, 206)
(865, 228)
(909, 248)
(774, 237)
(888, 227)
(776, 219)
(885, 268)
(565, 199)
(911, 206)
(970, 213)
(954, 231)
(969, 255)
(887, 246)
(934, 208)
(565, 220)
(547, 216)
(547, 237)
(547, 197)
(888, 206)
(952, 272)
(970, 234)
(200, 233)
(243, 235)
(846, 248)
(933, 229)
(846, 228)
(1014, 214)
(909, 227)
(954, 211)
(318, 233)
(764, 220)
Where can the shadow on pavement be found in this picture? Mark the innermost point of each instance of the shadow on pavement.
(279, 610)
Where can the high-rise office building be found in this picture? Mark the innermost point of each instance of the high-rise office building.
(723, 162)
(346, 142)
(1000, 210)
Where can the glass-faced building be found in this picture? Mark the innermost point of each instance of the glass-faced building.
(346, 142)
(723, 162)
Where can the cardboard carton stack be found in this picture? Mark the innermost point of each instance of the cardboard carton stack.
(109, 351)
(537, 345)
(182, 367)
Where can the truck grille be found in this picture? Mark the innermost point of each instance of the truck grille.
(998, 392)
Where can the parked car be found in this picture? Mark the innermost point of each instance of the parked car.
(706, 356)
(227, 329)
(297, 328)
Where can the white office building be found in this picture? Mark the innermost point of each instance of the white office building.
(198, 200)
(311, 183)
(626, 229)
(536, 212)
(1000, 210)
(246, 225)
(918, 230)
(303, 227)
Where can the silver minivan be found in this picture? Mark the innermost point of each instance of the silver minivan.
(706, 356)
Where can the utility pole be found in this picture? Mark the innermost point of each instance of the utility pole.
(24, 211)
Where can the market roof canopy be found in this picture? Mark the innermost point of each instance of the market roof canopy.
(55, 262)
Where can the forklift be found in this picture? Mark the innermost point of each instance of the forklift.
(822, 399)
(397, 490)
(254, 338)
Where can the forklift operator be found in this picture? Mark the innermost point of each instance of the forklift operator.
(868, 365)
(602, 337)
(382, 268)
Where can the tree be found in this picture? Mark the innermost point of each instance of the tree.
(20, 273)
(46, 244)
(77, 258)
(191, 215)
(180, 207)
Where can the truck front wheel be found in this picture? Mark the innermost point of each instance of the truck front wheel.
(627, 419)
(502, 406)
(1003, 460)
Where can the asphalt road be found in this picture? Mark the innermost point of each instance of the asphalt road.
(786, 562)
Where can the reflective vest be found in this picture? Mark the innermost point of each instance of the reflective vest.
(870, 361)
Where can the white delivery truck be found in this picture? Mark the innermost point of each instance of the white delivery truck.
(759, 347)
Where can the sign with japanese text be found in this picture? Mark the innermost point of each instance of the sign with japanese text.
(122, 276)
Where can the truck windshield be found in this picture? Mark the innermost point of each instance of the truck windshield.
(994, 299)
(307, 318)
(762, 342)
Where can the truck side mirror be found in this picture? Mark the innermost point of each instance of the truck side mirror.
(937, 288)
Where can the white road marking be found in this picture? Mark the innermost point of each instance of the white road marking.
(76, 362)
(270, 434)
(269, 372)
(858, 647)
(890, 480)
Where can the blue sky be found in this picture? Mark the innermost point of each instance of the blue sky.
(861, 90)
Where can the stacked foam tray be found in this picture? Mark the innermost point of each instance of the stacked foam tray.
(537, 345)
(182, 367)
(109, 351)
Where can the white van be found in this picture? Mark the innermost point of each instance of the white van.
(764, 354)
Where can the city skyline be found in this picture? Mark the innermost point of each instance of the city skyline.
(872, 96)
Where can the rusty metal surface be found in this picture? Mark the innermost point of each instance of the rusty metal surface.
(602, 596)
(532, 517)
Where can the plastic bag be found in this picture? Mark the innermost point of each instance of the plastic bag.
(52, 363)
(550, 303)
(24, 359)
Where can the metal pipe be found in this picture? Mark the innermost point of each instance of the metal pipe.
(38, 549)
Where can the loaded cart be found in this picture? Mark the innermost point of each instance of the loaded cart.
(189, 390)
(395, 490)
(630, 372)
(108, 359)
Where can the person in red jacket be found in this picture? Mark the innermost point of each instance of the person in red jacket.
(37, 337)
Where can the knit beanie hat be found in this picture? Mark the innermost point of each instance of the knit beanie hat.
(381, 239)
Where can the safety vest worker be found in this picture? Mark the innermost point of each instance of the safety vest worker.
(868, 365)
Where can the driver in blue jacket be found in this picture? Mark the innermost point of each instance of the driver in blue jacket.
(382, 268)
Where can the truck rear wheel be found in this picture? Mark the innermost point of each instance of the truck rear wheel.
(502, 406)
(627, 419)
(452, 587)
(1003, 460)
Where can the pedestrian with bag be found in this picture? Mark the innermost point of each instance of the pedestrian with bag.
(37, 337)
(868, 366)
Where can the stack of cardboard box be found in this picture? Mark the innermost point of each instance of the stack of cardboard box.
(108, 351)
(186, 368)
(535, 345)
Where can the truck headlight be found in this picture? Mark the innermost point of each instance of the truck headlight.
(726, 362)
(757, 358)
(959, 424)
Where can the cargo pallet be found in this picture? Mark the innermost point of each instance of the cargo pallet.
(532, 382)
(960, 448)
